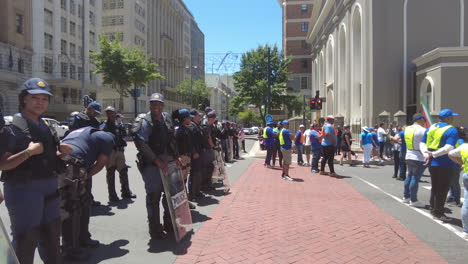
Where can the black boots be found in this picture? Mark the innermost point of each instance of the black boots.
(110, 177)
(125, 187)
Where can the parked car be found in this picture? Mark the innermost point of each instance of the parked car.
(248, 131)
(255, 129)
(59, 127)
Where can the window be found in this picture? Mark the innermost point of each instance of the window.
(48, 17)
(63, 4)
(48, 41)
(63, 46)
(64, 68)
(139, 41)
(140, 26)
(65, 95)
(304, 26)
(92, 38)
(48, 65)
(20, 65)
(304, 8)
(80, 11)
(112, 20)
(92, 18)
(72, 50)
(72, 28)
(19, 23)
(72, 7)
(92, 2)
(112, 4)
(80, 32)
(80, 52)
(428, 96)
(304, 81)
(139, 10)
(115, 35)
(74, 96)
(72, 71)
(305, 63)
(63, 24)
(304, 44)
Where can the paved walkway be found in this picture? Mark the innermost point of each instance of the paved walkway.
(315, 219)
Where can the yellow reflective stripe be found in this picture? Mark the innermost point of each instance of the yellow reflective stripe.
(409, 137)
(464, 156)
(434, 136)
(265, 135)
(281, 138)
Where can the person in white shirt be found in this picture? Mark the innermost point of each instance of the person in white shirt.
(307, 147)
(381, 134)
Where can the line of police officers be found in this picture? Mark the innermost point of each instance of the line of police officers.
(48, 183)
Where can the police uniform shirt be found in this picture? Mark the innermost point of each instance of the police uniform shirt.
(185, 139)
(115, 129)
(18, 141)
(145, 131)
(88, 143)
(82, 120)
(7, 140)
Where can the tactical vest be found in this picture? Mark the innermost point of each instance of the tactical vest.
(162, 136)
(409, 136)
(281, 138)
(434, 136)
(40, 166)
(464, 156)
(118, 131)
(265, 134)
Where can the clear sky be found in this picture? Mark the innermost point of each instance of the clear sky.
(235, 26)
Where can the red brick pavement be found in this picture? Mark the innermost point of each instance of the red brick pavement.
(316, 219)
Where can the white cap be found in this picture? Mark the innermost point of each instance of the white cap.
(301, 126)
(330, 117)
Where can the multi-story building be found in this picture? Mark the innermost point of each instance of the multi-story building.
(363, 53)
(296, 15)
(128, 21)
(222, 90)
(15, 51)
(197, 52)
(64, 33)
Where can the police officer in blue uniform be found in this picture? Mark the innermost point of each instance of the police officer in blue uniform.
(86, 117)
(91, 150)
(30, 167)
(196, 170)
(208, 143)
(117, 158)
(155, 141)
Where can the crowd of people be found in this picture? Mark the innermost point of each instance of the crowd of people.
(48, 181)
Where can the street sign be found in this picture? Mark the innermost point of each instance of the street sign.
(269, 118)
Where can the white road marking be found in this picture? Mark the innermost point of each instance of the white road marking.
(426, 214)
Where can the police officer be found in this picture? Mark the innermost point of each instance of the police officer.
(117, 158)
(196, 170)
(155, 141)
(91, 151)
(208, 157)
(29, 167)
(86, 117)
(437, 142)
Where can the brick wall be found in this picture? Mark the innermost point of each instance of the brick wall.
(295, 47)
(297, 66)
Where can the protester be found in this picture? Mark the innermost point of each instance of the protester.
(299, 142)
(268, 136)
(347, 141)
(366, 146)
(286, 138)
(328, 144)
(307, 148)
(316, 145)
(277, 146)
(381, 136)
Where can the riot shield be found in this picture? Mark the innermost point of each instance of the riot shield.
(177, 201)
(7, 254)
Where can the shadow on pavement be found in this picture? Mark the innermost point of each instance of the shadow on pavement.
(105, 252)
(102, 210)
(123, 204)
(197, 217)
(170, 244)
(298, 180)
(207, 200)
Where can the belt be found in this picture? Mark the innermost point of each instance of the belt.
(74, 161)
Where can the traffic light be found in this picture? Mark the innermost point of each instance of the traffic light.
(319, 104)
(313, 104)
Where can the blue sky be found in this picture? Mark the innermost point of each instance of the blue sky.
(235, 26)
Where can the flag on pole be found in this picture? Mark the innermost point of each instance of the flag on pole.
(426, 112)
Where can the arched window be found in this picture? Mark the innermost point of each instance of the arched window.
(428, 96)
(427, 92)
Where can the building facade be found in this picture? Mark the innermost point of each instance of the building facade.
(127, 21)
(222, 90)
(363, 53)
(15, 51)
(197, 50)
(296, 17)
(64, 33)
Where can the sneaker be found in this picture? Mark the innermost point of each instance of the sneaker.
(323, 173)
(417, 204)
(270, 167)
(333, 175)
(288, 178)
(442, 218)
(283, 177)
(315, 171)
(406, 200)
(394, 176)
(307, 164)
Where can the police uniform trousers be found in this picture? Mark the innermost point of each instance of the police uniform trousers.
(154, 190)
(117, 162)
(34, 209)
(195, 178)
(207, 156)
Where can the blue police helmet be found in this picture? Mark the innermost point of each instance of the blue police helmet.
(36, 86)
(96, 106)
(183, 113)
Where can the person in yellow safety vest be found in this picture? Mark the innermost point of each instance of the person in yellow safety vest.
(460, 156)
(412, 137)
(277, 148)
(455, 188)
(437, 142)
(268, 138)
(299, 142)
(286, 138)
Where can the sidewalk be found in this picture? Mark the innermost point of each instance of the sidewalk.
(315, 219)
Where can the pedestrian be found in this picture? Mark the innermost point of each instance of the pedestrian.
(366, 146)
(375, 143)
(338, 140)
(268, 135)
(117, 158)
(223, 135)
(455, 189)
(242, 139)
(286, 138)
(307, 148)
(460, 156)
(388, 149)
(230, 145)
(347, 140)
(29, 163)
(299, 142)
(277, 146)
(328, 143)
(402, 156)
(381, 136)
(155, 141)
(396, 142)
(316, 146)
(91, 152)
(437, 142)
(235, 141)
(412, 137)
(207, 153)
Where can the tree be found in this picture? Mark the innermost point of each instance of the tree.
(249, 117)
(252, 80)
(294, 103)
(195, 93)
(236, 105)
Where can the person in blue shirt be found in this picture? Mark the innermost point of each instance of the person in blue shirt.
(455, 188)
(328, 144)
(299, 142)
(366, 146)
(437, 142)
(286, 138)
(268, 137)
(316, 147)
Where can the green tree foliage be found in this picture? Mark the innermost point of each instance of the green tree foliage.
(193, 92)
(121, 67)
(236, 105)
(294, 103)
(251, 80)
(249, 118)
